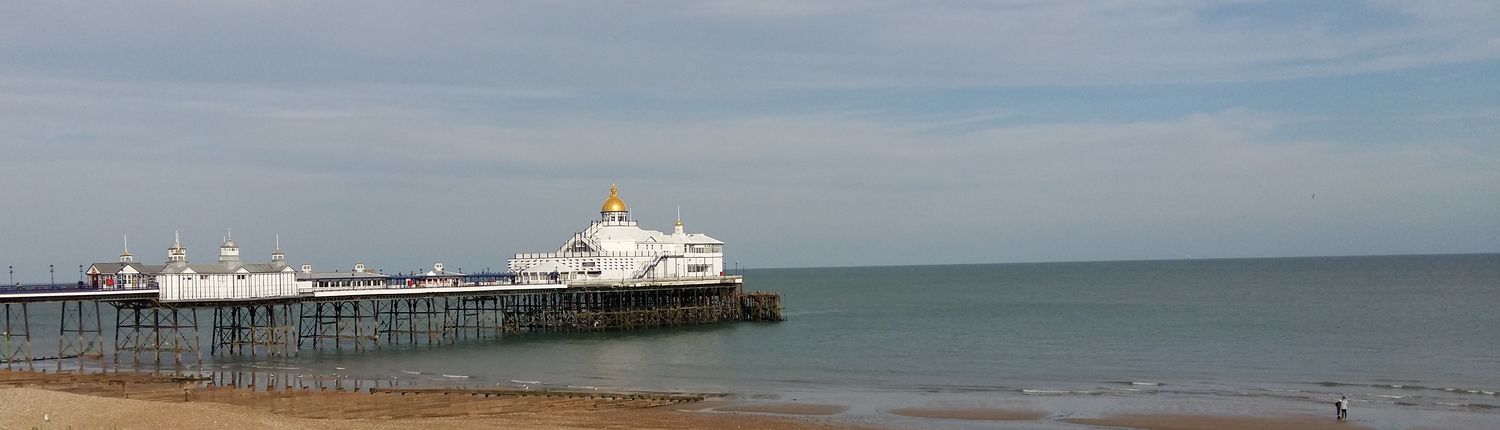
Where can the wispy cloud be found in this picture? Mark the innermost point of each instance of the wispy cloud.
(914, 132)
(732, 46)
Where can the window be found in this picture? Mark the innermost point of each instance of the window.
(239, 276)
(697, 268)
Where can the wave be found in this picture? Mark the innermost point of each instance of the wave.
(1283, 390)
(274, 367)
(410, 372)
(1469, 391)
(817, 312)
(525, 382)
(445, 375)
(1149, 384)
(1338, 384)
(1055, 392)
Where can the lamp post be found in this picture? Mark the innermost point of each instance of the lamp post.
(52, 272)
(12, 274)
(80, 273)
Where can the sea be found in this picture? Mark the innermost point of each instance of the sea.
(1412, 341)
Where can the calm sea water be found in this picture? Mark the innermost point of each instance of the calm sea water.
(1410, 334)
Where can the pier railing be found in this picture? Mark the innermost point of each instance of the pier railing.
(73, 286)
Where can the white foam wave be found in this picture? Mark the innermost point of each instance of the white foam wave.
(525, 382)
(274, 367)
(409, 372)
(1055, 392)
(1151, 384)
(445, 375)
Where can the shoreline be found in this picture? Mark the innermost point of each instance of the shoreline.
(107, 399)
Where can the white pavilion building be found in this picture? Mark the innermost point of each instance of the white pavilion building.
(616, 248)
(228, 279)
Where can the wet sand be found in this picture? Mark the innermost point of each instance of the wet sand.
(36, 408)
(784, 408)
(979, 414)
(141, 401)
(1205, 422)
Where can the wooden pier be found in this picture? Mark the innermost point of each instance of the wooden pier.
(148, 330)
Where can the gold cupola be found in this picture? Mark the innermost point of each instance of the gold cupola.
(613, 203)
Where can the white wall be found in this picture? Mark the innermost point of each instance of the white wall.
(196, 287)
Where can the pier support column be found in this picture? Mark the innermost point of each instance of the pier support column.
(333, 324)
(254, 330)
(17, 337)
(79, 334)
(476, 316)
(413, 321)
(156, 330)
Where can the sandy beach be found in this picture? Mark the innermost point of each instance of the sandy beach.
(130, 401)
(125, 401)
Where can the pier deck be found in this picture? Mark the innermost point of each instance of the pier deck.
(148, 329)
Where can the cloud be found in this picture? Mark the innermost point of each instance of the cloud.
(339, 171)
(801, 133)
(722, 47)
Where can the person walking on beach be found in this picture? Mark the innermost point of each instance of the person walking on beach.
(1343, 408)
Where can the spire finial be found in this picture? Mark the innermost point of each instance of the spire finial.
(125, 256)
(278, 242)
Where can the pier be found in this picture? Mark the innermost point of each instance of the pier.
(150, 329)
(613, 275)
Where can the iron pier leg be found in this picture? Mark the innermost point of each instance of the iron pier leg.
(13, 351)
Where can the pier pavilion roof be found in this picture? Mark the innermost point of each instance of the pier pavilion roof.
(219, 269)
(117, 268)
(613, 203)
(318, 276)
(639, 235)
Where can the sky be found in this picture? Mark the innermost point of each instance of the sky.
(801, 133)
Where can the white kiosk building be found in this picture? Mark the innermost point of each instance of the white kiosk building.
(615, 248)
(229, 279)
(127, 274)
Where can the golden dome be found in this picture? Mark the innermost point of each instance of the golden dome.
(613, 203)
